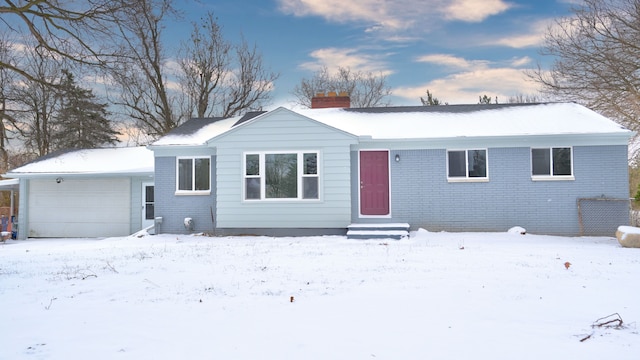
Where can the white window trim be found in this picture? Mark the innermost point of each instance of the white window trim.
(551, 177)
(466, 177)
(193, 176)
(301, 175)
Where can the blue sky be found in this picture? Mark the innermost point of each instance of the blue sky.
(458, 49)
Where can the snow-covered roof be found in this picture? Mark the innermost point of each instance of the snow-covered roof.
(121, 160)
(199, 135)
(433, 122)
(9, 184)
(449, 121)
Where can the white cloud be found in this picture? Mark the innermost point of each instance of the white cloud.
(474, 10)
(452, 61)
(393, 15)
(375, 11)
(19, 47)
(333, 58)
(520, 41)
(522, 61)
(465, 87)
(472, 78)
(532, 38)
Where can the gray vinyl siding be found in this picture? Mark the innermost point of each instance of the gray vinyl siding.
(285, 131)
(23, 205)
(175, 208)
(422, 197)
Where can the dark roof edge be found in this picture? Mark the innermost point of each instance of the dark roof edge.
(459, 108)
(248, 116)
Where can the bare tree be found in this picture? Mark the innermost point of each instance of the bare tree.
(597, 52)
(77, 31)
(525, 99)
(141, 76)
(37, 101)
(250, 83)
(7, 120)
(220, 78)
(365, 89)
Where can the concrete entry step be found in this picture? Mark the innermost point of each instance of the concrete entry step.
(394, 231)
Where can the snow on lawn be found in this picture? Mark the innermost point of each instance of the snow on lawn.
(435, 296)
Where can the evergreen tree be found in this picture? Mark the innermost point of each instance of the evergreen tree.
(431, 100)
(81, 122)
(484, 100)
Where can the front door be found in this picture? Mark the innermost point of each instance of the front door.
(148, 215)
(374, 182)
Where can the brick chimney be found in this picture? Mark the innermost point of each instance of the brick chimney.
(331, 100)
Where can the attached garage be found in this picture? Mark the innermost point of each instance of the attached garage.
(85, 193)
(79, 208)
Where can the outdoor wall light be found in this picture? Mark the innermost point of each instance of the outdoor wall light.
(59, 180)
(397, 157)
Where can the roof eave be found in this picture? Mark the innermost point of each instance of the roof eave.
(174, 146)
(575, 139)
(41, 175)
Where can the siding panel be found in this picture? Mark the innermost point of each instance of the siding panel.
(285, 131)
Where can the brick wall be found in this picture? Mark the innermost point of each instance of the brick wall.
(173, 209)
(331, 100)
(422, 196)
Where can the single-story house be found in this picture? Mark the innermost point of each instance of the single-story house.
(86, 193)
(552, 168)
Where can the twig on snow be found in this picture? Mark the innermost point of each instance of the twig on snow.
(613, 321)
(610, 321)
(111, 267)
(586, 337)
(152, 283)
(47, 307)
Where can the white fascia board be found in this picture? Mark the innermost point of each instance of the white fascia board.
(74, 175)
(180, 150)
(497, 142)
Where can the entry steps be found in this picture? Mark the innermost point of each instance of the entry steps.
(394, 231)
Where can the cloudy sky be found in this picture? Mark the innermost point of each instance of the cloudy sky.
(458, 49)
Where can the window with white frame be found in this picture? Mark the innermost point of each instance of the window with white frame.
(552, 162)
(281, 175)
(193, 175)
(467, 164)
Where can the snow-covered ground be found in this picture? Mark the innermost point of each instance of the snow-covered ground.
(433, 296)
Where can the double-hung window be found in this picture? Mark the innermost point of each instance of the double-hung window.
(193, 175)
(467, 165)
(551, 163)
(291, 175)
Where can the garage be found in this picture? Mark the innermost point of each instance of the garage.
(85, 193)
(79, 207)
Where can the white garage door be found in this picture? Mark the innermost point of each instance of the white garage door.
(79, 208)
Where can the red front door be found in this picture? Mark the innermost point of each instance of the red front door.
(374, 182)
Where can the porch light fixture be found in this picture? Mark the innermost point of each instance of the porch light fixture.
(59, 180)
(397, 157)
